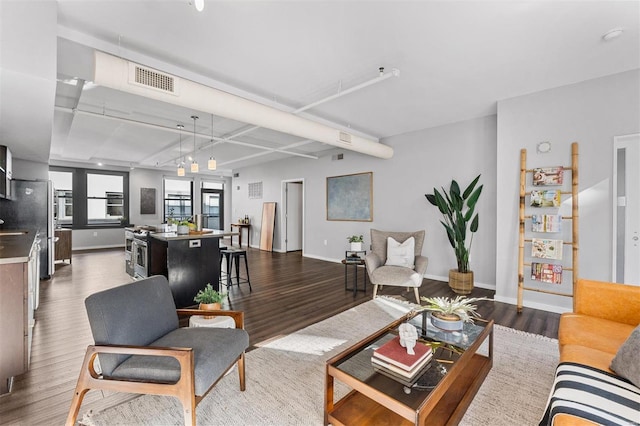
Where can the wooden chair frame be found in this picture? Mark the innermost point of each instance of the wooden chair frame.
(183, 389)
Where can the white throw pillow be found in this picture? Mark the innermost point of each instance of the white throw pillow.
(401, 254)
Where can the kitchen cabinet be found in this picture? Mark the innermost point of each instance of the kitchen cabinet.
(18, 283)
(63, 245)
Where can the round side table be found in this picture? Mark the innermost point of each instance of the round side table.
(219, 322)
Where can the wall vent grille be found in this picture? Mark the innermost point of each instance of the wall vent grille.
(154, 79)
(255, 190)
(345, 137)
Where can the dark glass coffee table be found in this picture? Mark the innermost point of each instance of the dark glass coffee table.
(440, 397)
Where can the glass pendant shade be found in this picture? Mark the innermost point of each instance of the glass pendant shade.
(211, 164)
(194, 167)
(180, 170)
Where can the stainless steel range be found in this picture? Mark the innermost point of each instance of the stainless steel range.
(140, 254)
(128, 246)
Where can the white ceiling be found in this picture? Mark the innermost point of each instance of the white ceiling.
(456, 60)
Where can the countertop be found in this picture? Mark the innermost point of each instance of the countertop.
(172, 236)
(16, 248)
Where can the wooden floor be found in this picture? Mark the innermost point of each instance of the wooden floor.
(289, 293)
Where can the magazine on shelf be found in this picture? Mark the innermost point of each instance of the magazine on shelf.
(545, 176)
(546, 249)
(548, 198)
(392, 352)
(546, 223)
(546, 272)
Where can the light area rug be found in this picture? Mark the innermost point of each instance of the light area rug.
(285, 379)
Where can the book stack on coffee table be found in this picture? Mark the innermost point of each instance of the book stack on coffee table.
(393, 361)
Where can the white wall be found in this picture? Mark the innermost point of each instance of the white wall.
(144, 178)
(422, 160)
(590, 113)
(29, 170)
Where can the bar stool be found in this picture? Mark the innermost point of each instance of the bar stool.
(232, 256)
(223, 275)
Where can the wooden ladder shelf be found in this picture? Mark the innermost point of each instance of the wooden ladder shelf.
(574, 227)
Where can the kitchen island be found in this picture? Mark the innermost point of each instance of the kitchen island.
(189, 262)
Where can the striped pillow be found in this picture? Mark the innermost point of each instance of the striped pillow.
(594, 395)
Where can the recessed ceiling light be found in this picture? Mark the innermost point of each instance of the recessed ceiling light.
(99, 164)
(611, 34)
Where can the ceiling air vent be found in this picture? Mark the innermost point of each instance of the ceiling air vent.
(153, 79)
(345, 137)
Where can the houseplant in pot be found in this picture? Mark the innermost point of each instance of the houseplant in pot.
(356, 242)
(209, 299)
(183, 227)
(458, 210)
(451, 314)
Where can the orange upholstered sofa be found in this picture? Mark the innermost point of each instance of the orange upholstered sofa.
(604, 316)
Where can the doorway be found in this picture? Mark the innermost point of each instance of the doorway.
(293, 215)
(626, 209)
(213, 208)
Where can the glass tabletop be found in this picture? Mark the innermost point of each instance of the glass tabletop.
(447, 346)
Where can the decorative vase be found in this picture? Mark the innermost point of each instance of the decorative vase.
(210, 307)
(461, 282)
(356, 246)
(448, 322)
(183, 230)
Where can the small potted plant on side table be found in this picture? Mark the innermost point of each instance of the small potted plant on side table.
(356, 242)
(209, 299)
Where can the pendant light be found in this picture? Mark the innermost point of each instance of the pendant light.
(194, 163)
(181, 163)
(211, 164)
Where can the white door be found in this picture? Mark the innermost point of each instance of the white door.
(627, 208)
(293, 216)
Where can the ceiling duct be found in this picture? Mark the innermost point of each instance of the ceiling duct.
(113, 72)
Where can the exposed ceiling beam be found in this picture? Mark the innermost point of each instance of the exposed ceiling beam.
(185, 132)
(260, 154)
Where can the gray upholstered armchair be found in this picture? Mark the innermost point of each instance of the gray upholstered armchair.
(142, 349)
(384, 271)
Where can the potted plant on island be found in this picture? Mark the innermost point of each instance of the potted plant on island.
(451, 314)
(459, 221)
(209, 299)
(183, 227)
(356, 242)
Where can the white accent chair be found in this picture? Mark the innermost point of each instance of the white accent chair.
(399, 276)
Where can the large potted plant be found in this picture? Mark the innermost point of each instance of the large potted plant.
(458, 210)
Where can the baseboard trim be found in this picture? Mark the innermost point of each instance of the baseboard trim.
(533, 305)
(446, 280)
(326, 259)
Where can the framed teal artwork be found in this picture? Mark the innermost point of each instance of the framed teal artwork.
(350, 197)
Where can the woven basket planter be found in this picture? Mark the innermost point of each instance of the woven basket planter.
(461, 282)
